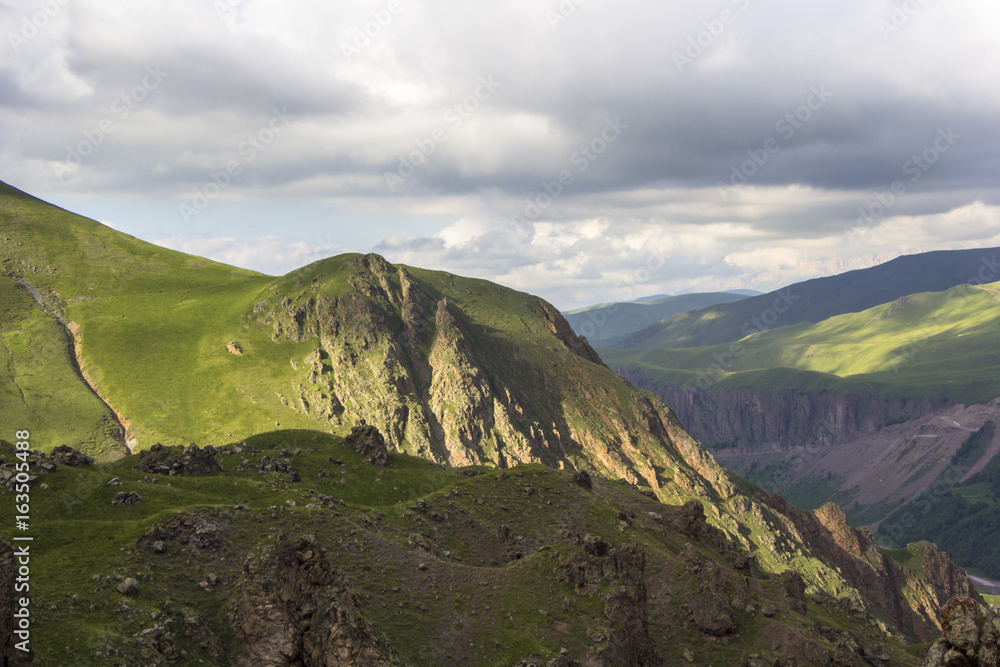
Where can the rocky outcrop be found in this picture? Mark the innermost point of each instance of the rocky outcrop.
(463, 372)
(971, 636)
(67, 456)
(295, 608)
(626, 607)
(191, 461)
(906, 597)
(369, 443)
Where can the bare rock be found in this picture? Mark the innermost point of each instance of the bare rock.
(295, 608)
(971, 636)
(191, 461)
(67, 456)
(582, 479)
(126, 498)
(712, 615)
(368, 441)
(129, 587)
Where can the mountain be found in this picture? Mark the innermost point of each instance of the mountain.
(606, 323)
(281, 543)
(868, 409)
(936, 345)
(821, 298)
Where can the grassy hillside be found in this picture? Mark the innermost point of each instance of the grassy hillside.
(185, 349)
(471, 567)
(822, 298)
(39, 385)
(933, 344)
(605, 323)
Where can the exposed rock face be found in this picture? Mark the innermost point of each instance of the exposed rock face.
(9, 655)
(67, 456)
(403, 353)
(294, 608)
(625, 607)
(186, 529)
(748, 416)
(369, 443)
(971, 636)
(906, 600)
(191, 461)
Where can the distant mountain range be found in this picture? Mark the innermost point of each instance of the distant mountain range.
(815, 392)
(819, 299)
(605, 324)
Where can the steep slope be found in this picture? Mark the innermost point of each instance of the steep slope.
(822, 298)
(604, 324)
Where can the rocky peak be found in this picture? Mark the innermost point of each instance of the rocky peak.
(295, 608)
(971, 636)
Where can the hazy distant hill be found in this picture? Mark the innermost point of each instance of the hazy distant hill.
(821, 298)
(604, 323)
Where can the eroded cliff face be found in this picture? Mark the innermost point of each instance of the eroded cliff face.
(906, 595)
(742, 418)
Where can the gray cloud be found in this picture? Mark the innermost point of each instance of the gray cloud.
(817, 107)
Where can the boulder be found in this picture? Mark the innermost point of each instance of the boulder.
(126, 498)
(971, 636)
(67, 456)
(129, 587)
(191, 461)
(369, 443)
(295, 608)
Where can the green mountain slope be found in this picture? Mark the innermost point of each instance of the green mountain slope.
(822, 298)
(939, 344)
(454, 370)
(408, 564)
(604, 324)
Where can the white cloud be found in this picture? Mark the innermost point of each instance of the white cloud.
(273, 255)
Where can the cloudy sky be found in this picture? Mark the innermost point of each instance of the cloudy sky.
(582, 150)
